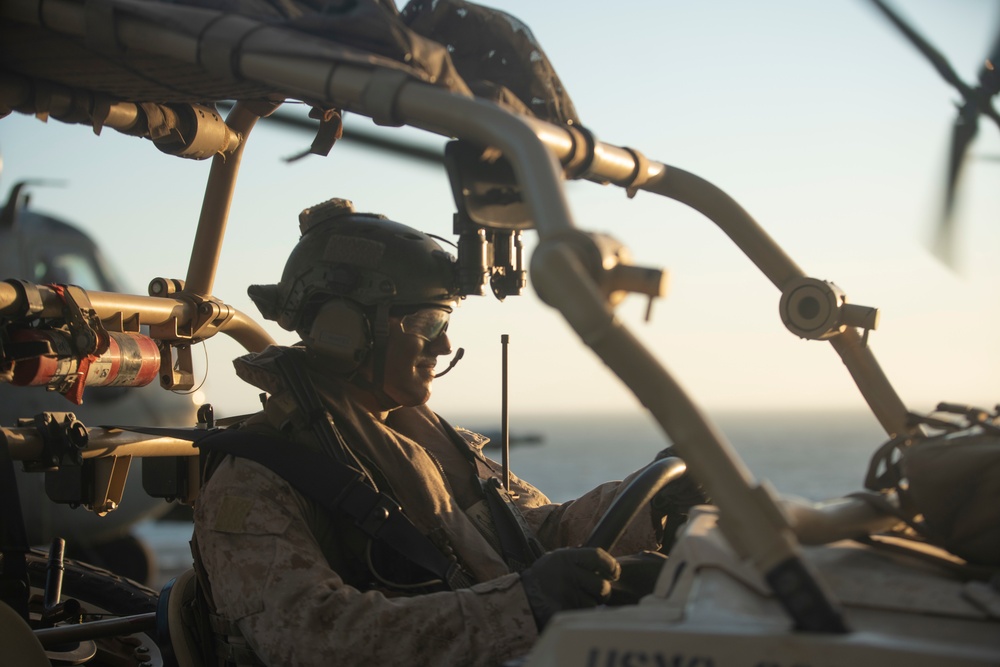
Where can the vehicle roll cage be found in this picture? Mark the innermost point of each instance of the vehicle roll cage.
(542, 156)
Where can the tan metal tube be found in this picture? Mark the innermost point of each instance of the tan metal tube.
(25, 444)
(247, 332)
(841, 519)
(721, 209)
(536, 169)
(108, 627)
(562, 282)
(731, 218)
(215, 207)
(757, 529)
(885, 403)
(760, 533)
(10, 301)
(151, 310)
(759, 247)
(617, 164)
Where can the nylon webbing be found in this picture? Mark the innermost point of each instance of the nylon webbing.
(334, 486)
(519, 545)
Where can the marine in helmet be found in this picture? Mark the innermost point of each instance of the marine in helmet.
(296, 578)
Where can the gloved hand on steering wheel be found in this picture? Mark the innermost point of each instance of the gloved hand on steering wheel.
(674, 502)
(569, 578)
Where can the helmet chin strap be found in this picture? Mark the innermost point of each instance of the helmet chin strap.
(380, 347)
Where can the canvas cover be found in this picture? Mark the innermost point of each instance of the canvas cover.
(949, 488)
(463, 47)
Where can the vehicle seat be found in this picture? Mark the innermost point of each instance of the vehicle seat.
(173, 634)
(20, 647)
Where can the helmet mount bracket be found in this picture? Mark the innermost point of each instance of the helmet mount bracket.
(491, 216)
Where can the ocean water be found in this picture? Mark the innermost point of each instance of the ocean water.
(813, 455)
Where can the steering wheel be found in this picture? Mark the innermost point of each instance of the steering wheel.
(636, 495)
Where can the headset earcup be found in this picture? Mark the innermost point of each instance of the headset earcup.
(340, 334)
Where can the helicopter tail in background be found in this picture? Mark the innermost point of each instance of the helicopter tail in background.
(40, 248)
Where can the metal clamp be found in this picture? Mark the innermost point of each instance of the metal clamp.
(220, 43)
(88, 335)
(97, 483)
(639, 175)
(818, 310)
(379, 96)
(577, 162)
(32, 298)
(63, 441)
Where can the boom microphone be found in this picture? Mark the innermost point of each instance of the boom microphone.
(458, 356)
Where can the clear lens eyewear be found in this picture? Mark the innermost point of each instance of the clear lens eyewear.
(429, 323)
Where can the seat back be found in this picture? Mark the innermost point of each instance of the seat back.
(20, 647)
(177, 638)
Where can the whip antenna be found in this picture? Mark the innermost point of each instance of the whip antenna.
(504, 416)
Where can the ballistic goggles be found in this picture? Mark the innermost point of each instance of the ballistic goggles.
(426, 323)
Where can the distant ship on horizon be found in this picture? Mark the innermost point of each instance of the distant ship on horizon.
(516, 439)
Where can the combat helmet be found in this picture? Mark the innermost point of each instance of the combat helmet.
(345, 275)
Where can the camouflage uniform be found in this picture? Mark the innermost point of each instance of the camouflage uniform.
(299, 581)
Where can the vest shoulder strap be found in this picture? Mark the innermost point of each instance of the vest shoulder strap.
(339, 488)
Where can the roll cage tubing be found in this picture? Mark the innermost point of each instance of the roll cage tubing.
(244, 49)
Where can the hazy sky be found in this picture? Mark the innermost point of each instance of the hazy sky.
(815, 116)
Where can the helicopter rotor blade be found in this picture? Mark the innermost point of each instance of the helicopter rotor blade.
(989, 73)
(963, 132)
(379, 140)
(989, 80)
(939, 62)
(975, 102)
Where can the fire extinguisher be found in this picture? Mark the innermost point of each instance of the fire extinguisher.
(131, 360)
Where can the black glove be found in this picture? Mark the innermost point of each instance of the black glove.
(674, 501)
(639, 574)
(568, 579)
(683, 493)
